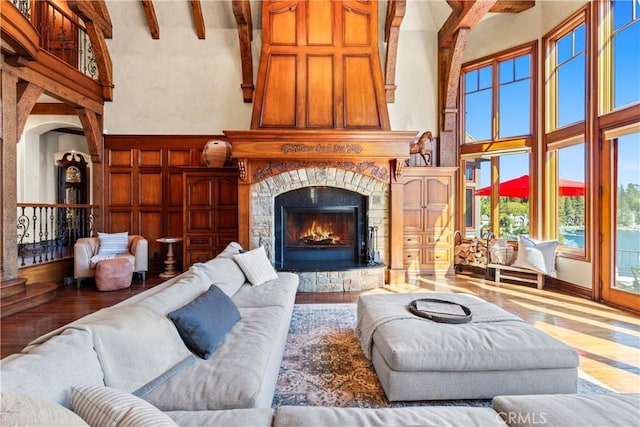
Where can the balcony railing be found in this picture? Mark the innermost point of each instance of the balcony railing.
(62, 34)
(47, 232)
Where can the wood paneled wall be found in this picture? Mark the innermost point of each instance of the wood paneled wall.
(144, 186)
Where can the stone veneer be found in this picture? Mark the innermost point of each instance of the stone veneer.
(263, 194)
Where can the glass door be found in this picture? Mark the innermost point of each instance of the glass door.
(620, 220)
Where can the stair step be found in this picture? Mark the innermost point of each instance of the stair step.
(33, 296)
(12, 287)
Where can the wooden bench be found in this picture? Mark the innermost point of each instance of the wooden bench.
(500, 269)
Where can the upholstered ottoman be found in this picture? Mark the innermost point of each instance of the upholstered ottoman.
(113, 274)
(497, 353)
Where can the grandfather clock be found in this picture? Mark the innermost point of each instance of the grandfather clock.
(72, 179)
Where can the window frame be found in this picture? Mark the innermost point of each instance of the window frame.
(497, 147)
(556, 137)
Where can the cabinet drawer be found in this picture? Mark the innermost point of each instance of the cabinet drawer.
(438, 255)
(443, 239)
(199, 241)
(198, 255)
(412, 258)
(412, 239)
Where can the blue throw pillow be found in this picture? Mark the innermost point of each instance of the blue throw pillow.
(205, 321)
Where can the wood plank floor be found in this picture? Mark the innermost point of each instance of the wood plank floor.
(607, 338)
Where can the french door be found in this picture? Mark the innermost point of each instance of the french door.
(620, 217)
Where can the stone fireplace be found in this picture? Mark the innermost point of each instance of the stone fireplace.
(320, 122)
(323, 267)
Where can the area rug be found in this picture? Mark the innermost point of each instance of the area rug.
(323, 364)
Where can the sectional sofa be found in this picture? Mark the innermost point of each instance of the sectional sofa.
(134, 364)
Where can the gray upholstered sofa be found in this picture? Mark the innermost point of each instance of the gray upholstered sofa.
(128, 364)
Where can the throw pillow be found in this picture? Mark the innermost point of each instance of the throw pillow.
(256, 266)
(114, 243)
(108, 407)
(204, 322)
(20, 410)
(537, 255)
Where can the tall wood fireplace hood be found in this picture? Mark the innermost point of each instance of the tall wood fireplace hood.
(319, 100)
(320, 95)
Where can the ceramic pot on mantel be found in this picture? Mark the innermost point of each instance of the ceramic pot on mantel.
(216, 153)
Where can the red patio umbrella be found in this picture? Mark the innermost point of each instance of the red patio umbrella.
(519, 187)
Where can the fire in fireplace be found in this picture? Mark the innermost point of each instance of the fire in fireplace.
(316, 227)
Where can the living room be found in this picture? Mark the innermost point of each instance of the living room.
(172, 92)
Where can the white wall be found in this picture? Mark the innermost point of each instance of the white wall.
(182, 85)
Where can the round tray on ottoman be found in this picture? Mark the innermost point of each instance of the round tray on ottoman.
(113, 274)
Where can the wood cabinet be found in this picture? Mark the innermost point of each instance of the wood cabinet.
(428, 220)
(210, 213)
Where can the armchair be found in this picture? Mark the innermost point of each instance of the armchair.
(87, 247)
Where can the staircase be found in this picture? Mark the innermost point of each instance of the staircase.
(16, 296)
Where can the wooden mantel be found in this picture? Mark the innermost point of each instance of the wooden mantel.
(264, 153)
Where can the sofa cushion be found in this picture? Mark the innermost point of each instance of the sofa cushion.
(108, 407)
(205, 321)
(225, 273)
(564, 410)
(280, 292)
(49, 369)
(114, 243)
(238, 371)
(20, 410)
(256, 266)
(254, 417)
(185, 288)
(232, 249)
(294, 416)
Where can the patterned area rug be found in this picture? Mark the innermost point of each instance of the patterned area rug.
(323, 364)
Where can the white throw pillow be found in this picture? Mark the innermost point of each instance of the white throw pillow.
(537, 255)
(114, 243)
(232, 249)
(19, 410)
(256, 266)
(108, 407)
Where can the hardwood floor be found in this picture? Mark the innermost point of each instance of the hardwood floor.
(607, 338)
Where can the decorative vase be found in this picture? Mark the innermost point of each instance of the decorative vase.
(217, 154)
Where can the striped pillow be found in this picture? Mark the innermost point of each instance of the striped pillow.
(108, 407)
(256, 266)
(114, 243)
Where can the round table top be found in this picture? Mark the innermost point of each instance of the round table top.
(169, 239)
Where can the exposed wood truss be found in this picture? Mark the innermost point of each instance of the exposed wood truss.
(28, 94)
(395, 13)
(152, 20)
(452, 39)
(92, 126)
(98, 24)
(242, 13)
(53, 108)
(198, 19)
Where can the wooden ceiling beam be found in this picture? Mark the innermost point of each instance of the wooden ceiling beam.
(53, 109)
(152, 20)
(198, 19)
(395, 14)
(27, 96)
(94, 11)
(512, 6)
(452, 39)
(242, 14)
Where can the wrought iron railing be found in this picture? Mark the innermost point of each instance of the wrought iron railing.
(47, 232)
(62, 34)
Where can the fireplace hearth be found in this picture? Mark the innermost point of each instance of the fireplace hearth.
(320, 227)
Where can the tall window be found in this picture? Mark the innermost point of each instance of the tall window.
(498, 101)
(567, 57)
(625, 52)
(488, 117)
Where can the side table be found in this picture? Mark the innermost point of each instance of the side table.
(170, 262)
